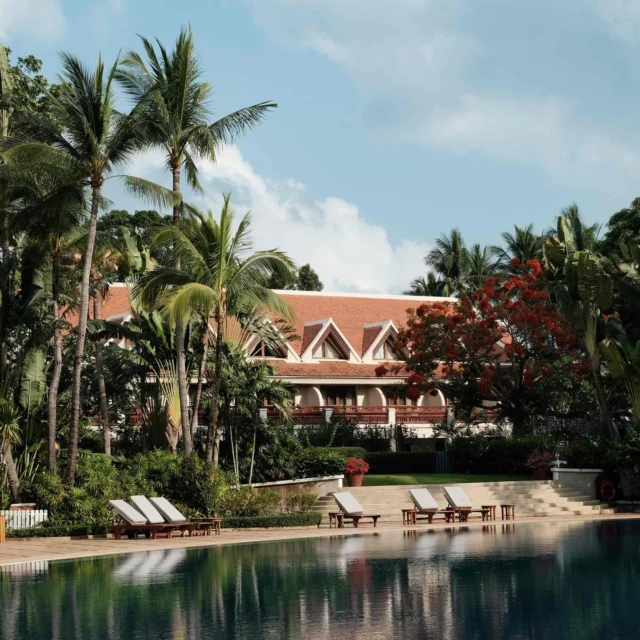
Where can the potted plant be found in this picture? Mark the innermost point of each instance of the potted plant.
(355, 470)
(539, 461)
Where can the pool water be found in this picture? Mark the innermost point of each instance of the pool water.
(564, 580)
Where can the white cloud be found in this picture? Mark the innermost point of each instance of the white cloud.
(348, 252)
(621, 16)
(42, 19)
(420, 60)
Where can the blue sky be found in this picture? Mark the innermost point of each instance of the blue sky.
(398, 119)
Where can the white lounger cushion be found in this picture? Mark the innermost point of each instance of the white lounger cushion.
(170, 513)
(348, 503)
(127, 512)
(457, 498)
(423, 499)
(142, 504)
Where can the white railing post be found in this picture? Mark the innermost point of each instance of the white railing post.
(328, 412)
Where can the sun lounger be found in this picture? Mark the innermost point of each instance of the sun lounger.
(461, 504)
(426, 505)
(132, 522)
(153, 516)
(351, 509)
(172, 515)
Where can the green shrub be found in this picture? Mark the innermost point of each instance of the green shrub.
(348, 452)
(300, 502)
(309, 519)
(482, 455)
(317, 462)
(398, 463)
(55, 531)
(248, 502)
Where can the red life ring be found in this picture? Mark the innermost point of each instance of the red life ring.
(607, 491)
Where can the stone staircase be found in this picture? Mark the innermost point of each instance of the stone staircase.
(531, 497)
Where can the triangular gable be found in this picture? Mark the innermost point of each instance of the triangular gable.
(384, 331)
(321, 331)
(285, 349)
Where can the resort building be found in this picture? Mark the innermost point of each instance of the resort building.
(340, 340)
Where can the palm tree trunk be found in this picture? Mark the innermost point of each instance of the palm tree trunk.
(201, 372)
(72, 451)
(102, 387)
(603, 403)
(214, 433)
(12, 474)
(52, 401)
(183, 385)
(5, 302)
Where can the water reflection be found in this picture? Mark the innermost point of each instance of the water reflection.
(569, 580)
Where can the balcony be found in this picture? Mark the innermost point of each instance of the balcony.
(371, 415)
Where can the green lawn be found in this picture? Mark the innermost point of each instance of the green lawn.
(435, 478)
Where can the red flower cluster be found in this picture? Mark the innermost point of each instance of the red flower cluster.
(500, 341)
(356, 465)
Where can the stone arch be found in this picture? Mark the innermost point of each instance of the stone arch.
(427, 400)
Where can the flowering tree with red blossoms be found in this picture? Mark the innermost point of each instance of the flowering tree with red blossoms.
(489, 349)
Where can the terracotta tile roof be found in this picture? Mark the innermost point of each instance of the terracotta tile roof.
(327, 369)
(370, 334)
(350, 313)
(115, 303)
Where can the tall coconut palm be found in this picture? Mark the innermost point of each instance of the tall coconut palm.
(176, 107)
(54, 222)
(450, 260)
(93, 141)
(218, 276)
(429, 286)
(523, 244)
(482, 264)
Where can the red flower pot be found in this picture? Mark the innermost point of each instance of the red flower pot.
(541, 473)
(354, 479)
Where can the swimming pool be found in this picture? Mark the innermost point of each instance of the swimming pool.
(547, 580)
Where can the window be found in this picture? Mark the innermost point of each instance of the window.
(340, 396)
(261, 350)
(395, 399)
(386, 351)
(329, 349)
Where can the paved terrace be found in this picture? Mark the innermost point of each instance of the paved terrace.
(16, 551)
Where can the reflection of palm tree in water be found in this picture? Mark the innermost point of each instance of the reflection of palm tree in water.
(537, 583)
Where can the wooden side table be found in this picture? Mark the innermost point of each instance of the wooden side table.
(336, 519)
(3, 530)
(492, 510)
(409, 516)
(508, 511)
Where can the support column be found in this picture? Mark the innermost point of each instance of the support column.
(328, 412)
(391, 419)
(262, 412)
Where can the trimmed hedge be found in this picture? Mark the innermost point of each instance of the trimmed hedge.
(401, 462)
(349, 452)
(59, 531)
(309, 519)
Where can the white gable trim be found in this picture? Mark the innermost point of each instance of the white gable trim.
(327, 326)
(387, 329)
(291, 355)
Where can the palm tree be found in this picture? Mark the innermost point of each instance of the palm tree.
(94, 139)
(217, 276)
(54, 223)
(523, 244)
(9, 435)
(430, 286)
(482, 264)
(450, 260)
(176, 107)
